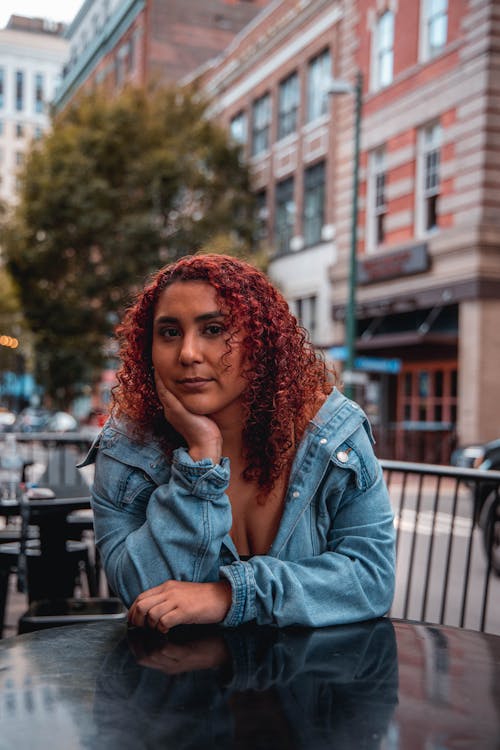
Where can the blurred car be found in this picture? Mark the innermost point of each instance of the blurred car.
(7, 419)
(486, 498)
(31, 419)
(61, 421)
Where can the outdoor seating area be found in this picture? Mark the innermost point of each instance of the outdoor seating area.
(49, 567)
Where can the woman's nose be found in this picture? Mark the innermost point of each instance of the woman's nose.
(190, 350)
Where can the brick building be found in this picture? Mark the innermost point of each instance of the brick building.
(113, 42)
(32, 52)
(428, 292)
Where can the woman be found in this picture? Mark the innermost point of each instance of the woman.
(233, 482)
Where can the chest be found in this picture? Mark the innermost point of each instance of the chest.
(255, 523)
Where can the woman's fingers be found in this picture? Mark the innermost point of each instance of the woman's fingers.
(200, 432)
(181, 603)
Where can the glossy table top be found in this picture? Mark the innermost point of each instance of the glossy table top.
(376, 685)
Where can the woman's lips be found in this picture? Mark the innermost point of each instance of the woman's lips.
(194, 384)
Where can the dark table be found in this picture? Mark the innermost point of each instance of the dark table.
(55, 577)
(383, 684)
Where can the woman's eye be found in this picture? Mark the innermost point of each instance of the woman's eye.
(169, 333)
(214, 329)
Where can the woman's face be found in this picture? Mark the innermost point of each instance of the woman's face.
(190, 350)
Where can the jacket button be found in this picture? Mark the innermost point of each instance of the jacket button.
(323, 441)
(343, 456)
(296, 494)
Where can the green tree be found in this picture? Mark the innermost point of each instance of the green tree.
(115, 189)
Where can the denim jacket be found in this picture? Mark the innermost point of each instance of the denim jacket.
(332, 560)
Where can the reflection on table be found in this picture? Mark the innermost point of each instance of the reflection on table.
(380, 684)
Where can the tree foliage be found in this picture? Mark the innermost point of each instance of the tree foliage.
(116, 188)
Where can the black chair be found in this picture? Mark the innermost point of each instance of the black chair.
(23, 561)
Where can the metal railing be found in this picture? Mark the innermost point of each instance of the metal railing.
(50, 459)
(448, 541)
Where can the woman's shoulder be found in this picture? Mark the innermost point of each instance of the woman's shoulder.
(121, 440)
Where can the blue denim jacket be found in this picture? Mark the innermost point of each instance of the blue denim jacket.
(333, 557)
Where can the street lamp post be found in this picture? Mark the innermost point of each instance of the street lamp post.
(342, 87)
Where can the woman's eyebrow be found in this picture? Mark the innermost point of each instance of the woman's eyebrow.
(199, 318)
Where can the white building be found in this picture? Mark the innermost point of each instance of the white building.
(32, 53)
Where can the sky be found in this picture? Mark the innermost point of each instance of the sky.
(54, 10)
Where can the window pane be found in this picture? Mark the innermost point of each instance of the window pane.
(385, 44)
(318, 81)
(19, 90)
(438, 383)
(238, 128)
(314, 203)
(407, 386)
(288, 105)
(285, 215)
(423, 384)
(261, 117)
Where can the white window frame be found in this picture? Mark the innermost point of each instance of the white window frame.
(319, 77)
(382, 58)
(430, 139)
(433, 19)
(313, 210)
(285, 216)
(288, 105)
(261, 123)
(377, 170)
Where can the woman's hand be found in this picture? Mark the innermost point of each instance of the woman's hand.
(200, 433)
(176, 658)
(181, 603)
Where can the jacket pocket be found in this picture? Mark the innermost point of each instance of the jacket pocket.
(123, 485)
(356, 455)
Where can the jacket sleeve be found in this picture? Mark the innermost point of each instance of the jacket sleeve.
(147, 535)
(352, 579)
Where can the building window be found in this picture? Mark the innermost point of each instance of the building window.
(19, 130)
(1, 127)
(39, 93)
(434, 27)
(383, 57)
(305, 312)
(19, 158)
(19, 90)
(285, 215)
(261, 216)
(430, 147)
(318, 82)
(238, 128)
(38, 133)
(314, 203)
(378, 195)
(261, 122)
(288, 106)
(2, 88)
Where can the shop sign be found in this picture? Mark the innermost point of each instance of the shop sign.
(403, 262)
(368, 364)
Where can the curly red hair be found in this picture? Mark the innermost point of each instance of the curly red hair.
(286, 379)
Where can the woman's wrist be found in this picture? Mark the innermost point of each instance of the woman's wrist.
(212, 451)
